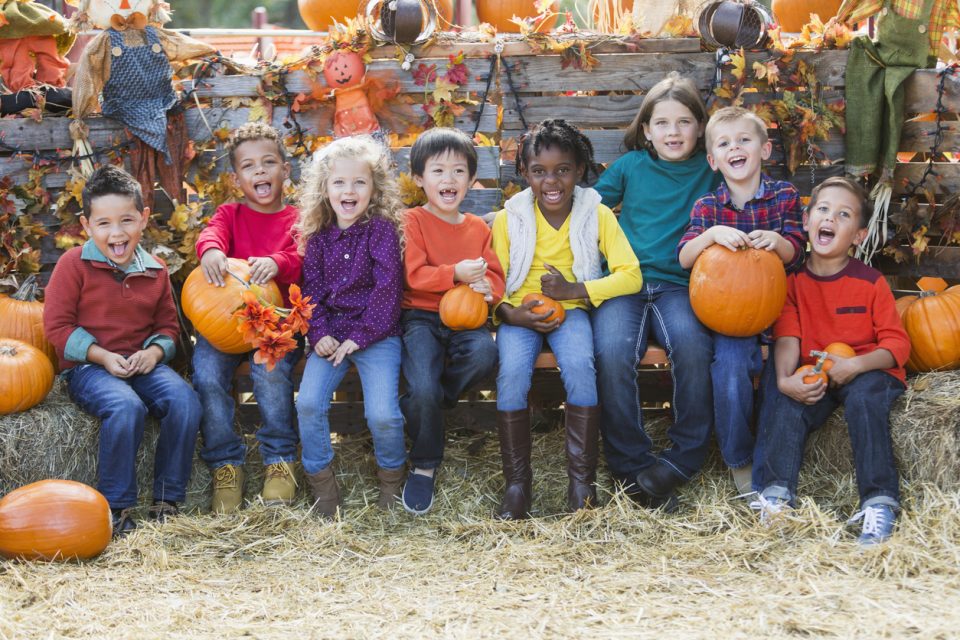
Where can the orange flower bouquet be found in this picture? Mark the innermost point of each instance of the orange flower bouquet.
(271, 330)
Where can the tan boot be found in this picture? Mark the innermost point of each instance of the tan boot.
(514, 431)
(227, 489)
(391, 482)
(279, 484)
(326, 495)
(583, 449)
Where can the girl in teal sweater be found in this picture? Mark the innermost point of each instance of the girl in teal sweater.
(657, 181)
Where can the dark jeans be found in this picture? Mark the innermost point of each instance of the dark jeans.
(439, 364)
(621, 330)
(122, 406)
(786, 424)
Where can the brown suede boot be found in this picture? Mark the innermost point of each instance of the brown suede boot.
(514, 430)
(583, 449)
(326, 495)
(391, 482)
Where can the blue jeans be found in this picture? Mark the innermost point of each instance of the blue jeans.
(213, 378)
(787, 424)
(379, 369)
(621, 330)
(122, 406)
(571, 343)
(439, 364)
(736, 361)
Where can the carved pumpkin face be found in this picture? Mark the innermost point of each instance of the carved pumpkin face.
(101, 11)
(344, 69)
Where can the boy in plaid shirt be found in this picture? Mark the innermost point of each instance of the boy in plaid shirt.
(748, 210)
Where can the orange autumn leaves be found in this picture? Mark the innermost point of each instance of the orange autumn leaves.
(271, 330)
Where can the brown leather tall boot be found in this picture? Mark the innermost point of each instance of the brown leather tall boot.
(326, 494)
(514, 430)
(583, 449)
(391, 481)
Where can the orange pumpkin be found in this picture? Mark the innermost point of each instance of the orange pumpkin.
(21, 318)
(932, 321)
(210, 307)
(792, 15)
(544, 304)
(737, 293)
(902, 303)
(462, 308)
(811, 375)
(319, 15)
(54, 520)
(838, 350)
(499, 13)
(26, 376)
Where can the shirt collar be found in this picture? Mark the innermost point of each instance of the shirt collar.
(765, 191)
(140, 263)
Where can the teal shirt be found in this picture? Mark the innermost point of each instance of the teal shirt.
(657, 197)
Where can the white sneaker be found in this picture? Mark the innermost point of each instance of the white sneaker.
(771, 509)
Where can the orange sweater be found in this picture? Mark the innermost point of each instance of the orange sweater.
(433, 249)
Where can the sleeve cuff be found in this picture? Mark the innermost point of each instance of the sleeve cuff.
(164, 342)
(78, 344)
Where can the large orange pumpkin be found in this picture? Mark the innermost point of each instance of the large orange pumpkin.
(54, 520)
(210, 307)
(26, 376)
(499, 13)
(21, 318)
(546, 303)
(737, 293)
(792, 15)
(932, 321)
(320, 14)
(463, 308)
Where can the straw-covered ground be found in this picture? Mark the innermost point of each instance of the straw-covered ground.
(620, 571)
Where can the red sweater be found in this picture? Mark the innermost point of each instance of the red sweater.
(120, 311)
(240, 232)
(854, 306)
(433, 249)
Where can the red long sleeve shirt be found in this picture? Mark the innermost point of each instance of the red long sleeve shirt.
(854, 306)
(240, 232)
(433, 249)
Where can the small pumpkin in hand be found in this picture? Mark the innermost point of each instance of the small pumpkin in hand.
(462, 308)
(837, 350)
(26, 376)
(811, 374)
(544, 304)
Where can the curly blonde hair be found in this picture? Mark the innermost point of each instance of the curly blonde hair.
(316, 212)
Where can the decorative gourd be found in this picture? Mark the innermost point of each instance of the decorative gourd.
(932, 320)
(546, 303)
(210, 307)
(737, 293)
(26, 376)
(462, 308)
(792, 15)
(499, 13)
(54, 520)
(21, 318)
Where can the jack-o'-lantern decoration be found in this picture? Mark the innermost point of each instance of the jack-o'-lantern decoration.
(344, 69)
(344, 72)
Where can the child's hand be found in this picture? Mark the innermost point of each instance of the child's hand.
(764, 239)
(794, 387)
(262, 270)
(116, 365)
(729, 237)
(554, 285)
(526, 316)
(483, 286)
(325, 346)
(214, 265)
(145, 360)
(470, 270)
(844, 370)
(346, 348)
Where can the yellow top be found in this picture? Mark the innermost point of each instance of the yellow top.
(553, 248)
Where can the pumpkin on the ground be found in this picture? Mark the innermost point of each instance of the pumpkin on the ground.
(54, 520)
(26, 376)
(737, 293)
(462, 308)
(546, 303)
(21, 318)
(210, 308)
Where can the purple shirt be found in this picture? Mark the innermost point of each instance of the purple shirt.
(355, 277)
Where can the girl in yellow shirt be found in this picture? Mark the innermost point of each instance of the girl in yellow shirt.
(552, 238)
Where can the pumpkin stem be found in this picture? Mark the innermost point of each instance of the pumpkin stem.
(245, 284)
(8, 351)
(928, 293)
(28, 290)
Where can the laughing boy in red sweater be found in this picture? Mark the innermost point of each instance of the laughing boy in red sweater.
(256, 230)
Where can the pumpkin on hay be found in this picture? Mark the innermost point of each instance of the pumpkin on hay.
(210, 308)
(462, 308)
(499, 13)
(792, 15)
(932, 321)
(544, 304)
(26, 376)
(54, 520)
(737, 293)
(21, 318)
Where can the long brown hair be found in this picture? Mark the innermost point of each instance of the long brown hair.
(673, 87)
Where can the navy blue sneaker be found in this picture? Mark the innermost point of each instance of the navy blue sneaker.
(878, 520)
(418, 493)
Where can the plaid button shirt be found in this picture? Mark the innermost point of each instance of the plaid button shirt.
(775, 207)
(943, 15)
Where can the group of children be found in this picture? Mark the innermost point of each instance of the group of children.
(377, 273)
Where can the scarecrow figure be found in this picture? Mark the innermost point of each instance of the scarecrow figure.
(125, 71)
(908, 35)
(33, 41)
(345, 73)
